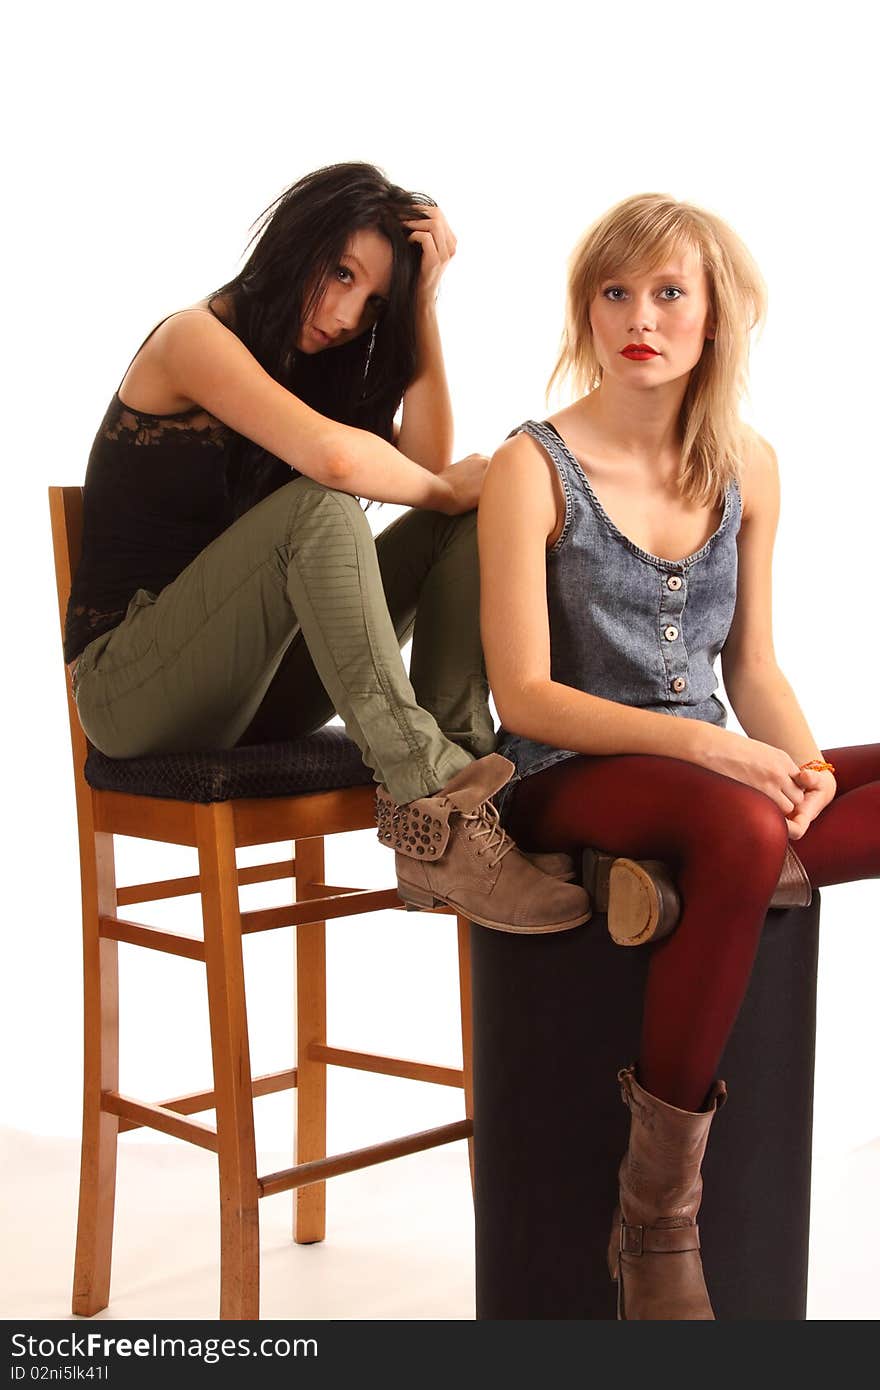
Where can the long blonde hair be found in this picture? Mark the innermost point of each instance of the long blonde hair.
(641, 233)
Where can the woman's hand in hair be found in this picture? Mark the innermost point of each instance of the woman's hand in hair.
(426, 429)
(465, 482)
(435, 236)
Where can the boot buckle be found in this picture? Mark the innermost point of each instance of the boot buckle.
(632, 1239)
(659, 1240)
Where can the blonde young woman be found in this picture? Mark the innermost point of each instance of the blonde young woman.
(625, 543)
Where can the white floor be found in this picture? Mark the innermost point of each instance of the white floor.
(399, 1244)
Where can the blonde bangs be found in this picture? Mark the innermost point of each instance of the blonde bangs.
(639, 243)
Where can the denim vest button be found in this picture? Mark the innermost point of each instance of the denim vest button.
(679, 684)
(670, 633)
(674, 581)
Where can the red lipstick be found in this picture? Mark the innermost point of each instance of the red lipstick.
(639, 352)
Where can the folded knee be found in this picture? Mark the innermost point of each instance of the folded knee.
(316, 495)
(751, 826)
(309, 503)
(464, 524)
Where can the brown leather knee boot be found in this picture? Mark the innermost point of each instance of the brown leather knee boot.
(654, 1251)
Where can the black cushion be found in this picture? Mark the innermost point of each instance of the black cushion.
(324, 761)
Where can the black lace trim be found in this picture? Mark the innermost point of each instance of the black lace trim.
(194, 426)
(94, 618)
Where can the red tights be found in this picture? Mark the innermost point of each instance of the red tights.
(725, 843)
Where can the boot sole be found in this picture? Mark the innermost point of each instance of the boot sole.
(422, 900)
(622, 888)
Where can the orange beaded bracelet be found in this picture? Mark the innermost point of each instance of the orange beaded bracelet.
(817, 765)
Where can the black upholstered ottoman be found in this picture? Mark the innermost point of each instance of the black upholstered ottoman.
(555, 1017)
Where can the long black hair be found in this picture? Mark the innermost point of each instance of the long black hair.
(296, 246)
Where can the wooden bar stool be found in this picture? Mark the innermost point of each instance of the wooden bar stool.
(299, 791)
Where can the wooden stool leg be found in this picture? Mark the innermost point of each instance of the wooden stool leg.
(464, 979)
(97, 1181)
(236, 1149)
(309, 1203)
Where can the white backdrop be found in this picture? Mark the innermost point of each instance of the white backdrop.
(145, 140)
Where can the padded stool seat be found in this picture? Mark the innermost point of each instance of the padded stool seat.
(322, 761)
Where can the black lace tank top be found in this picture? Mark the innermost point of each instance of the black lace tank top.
(156, 493)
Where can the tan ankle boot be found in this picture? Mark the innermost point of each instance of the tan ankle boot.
(654, 1251)
(642, 901)
(450, 848)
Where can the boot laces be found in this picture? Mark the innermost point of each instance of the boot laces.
(486, 824)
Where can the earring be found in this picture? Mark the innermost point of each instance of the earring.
(370, 351)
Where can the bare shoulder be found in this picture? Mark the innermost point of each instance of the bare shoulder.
(197, 352)
(759, 475)
(153, 381)
(518, 446)
(521, 482)
(520, 459)
(195, 324)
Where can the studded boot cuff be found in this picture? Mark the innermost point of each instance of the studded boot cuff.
(419, 829)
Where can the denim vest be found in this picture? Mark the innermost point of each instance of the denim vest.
(626, 625)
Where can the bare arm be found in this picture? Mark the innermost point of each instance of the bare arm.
(518, 512)
(763, 700)
(204, 362)
(426, 426)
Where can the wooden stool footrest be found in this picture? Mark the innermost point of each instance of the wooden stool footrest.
(386, 1066)
(196, 1101)
(309, 910)
(158, 1117)
(154, 938)
(182, 887)
(321, 1168)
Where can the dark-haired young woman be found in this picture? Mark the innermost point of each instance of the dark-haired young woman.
(230, 589)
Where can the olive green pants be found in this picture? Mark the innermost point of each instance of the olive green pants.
(295, 611)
